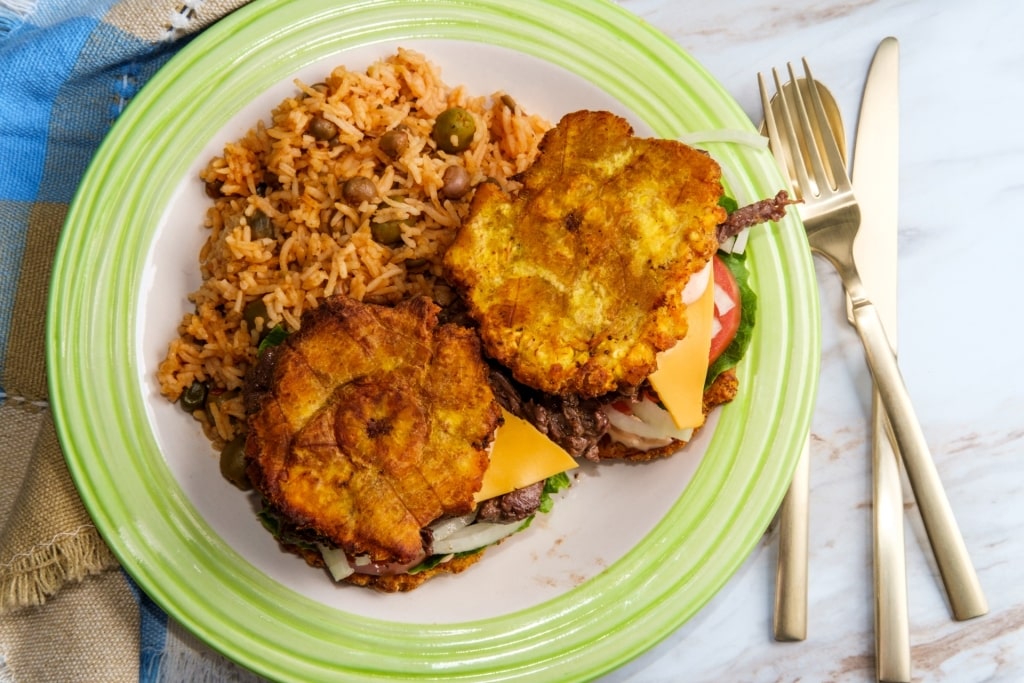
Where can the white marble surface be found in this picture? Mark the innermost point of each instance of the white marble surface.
(961, 170)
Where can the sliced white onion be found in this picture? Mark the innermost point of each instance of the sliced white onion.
(635, 442)
(743, 196)
(723, 302)
(741, 242)
(632, 424)
(446, 527)
(734, 135)
(474, 536)
(697, 284)
(336, 561)
(716, 327)
(659, 418)
(650, 426)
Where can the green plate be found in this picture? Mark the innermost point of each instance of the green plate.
(628, 555)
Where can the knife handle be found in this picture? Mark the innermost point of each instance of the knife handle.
(962, 587)
(892, 623)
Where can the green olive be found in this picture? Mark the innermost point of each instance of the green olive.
(453, 130)
(194, 397)
(260, 226)
(232, 463)
(320, 87)
(358, 189)
(253, 311)
(221, 397)
(322, 129)
(508, 102)
(213, 188)
(387, 232)
(394, 142)
(455, 182)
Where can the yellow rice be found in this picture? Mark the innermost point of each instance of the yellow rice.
(322, 245)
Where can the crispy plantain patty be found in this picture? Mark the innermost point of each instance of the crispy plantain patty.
(576, 281)
(375, 422)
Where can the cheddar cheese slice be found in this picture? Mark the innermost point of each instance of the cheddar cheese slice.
(520, 456)
(682, 369)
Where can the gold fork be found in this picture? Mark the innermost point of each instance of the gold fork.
(789, 617)
(892, 628)
(831, 217)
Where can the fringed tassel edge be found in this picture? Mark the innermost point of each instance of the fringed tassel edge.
(31, 577)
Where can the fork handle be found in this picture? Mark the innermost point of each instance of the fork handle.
(789, 620)
(965, 594)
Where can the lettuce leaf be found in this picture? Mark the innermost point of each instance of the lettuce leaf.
(435, 560)
(728, 203)
(273, 523)
(552, 485)
(275, 337)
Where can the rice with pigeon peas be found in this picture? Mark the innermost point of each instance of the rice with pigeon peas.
(347, 190)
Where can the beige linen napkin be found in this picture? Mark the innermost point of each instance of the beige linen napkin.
(47, 538)
(57, 596)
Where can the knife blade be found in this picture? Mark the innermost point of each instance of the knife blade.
(876, 184)
(966, 597)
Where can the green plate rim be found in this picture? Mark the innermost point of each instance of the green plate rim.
(172, 552)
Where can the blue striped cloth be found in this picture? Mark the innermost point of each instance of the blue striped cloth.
(68, 68)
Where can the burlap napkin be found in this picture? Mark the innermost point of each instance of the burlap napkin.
(66, 612)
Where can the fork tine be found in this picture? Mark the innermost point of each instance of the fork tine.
(792, 151)
(808, 142)
(769, 115)
(806, 130)
(778, 149)
(836, 166)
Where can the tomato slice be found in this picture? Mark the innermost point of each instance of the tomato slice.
(726, 287)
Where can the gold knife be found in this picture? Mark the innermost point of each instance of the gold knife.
(876, 182)
(959, 578)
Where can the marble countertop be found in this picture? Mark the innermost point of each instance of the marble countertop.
(961, 167)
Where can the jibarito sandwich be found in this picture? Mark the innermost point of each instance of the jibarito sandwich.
(372, 440)
(598, 293)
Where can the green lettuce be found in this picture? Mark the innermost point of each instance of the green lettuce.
(275, 337)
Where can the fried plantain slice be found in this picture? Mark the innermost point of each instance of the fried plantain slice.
(576, 281)
(375, 422)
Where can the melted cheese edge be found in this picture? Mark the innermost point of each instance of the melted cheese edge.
(520, 456)
(682, 369)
